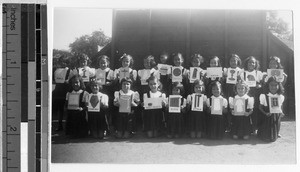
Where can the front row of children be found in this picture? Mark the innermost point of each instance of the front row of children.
(198, 115)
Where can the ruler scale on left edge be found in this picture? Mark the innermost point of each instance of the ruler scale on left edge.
(11, 87)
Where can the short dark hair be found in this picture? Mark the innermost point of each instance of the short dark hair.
(215, 57)
(238, 59)
(271, 79)
(82, 86)
(257, 66)
(126, 79)
(277, 59)
(215, 83)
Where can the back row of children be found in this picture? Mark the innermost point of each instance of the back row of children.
(202, 96)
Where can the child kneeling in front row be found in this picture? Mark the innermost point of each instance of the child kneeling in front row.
(126, 100)
(241, 108)
(98, 103)
(76, 107)
(153, 117)
(196, 107)
(176, 111)
(271, 109)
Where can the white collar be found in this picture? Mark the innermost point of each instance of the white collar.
(106, 69)
(244, 96)
(272, 95)
(79, 91)
(129, 92)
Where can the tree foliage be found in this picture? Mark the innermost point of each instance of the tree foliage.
(61, 58)
(88, 44)
(278, 26)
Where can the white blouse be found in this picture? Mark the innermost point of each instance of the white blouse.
(60, 75)
(85, 97)
(135, 95)
(102, 97)
(86, 68)
(110, 75)
(259, 75)
(225, 102)
(250, 104)
(117, 72)
(189, 99)
(262, 99)
(183, 104)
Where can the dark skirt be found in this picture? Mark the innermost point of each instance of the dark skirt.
(197, 121)
(59, 98)
(241, 126)
(124, 122)
(76, 124)
(216, 127)
(175, 123)
(153, 119)
(97, 123)
(108, 90)
(256, 117)
(270, 127)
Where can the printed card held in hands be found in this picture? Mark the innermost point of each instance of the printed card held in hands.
(176, 74)
(94, 103)
(174, 103)
(73, 101)
(100, 77)
(274, 105)
(194, 74)
(197, 102)
(217, 106)
(153, 103)
(214, 72)
(125, 103)
(239, 106)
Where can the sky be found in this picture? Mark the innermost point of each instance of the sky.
(71, 23)
(287, 16)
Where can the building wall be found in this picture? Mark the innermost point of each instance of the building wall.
(208, 32)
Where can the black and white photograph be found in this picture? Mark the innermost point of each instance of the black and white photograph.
(125, 83)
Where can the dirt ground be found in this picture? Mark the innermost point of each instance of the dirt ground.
(161, 150)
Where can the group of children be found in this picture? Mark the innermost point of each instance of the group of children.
(166, 98)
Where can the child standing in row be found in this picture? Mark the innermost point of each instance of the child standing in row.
(85, 71)
(104, 77)
(61, 78)
(163, 68)
(232, 75)
(97, 105)
(196, 113)
(144, 74)
(196, 61)
(126, 70)
(253, 77)
(153, 118)
(217, 108)
(126, 100)
(76, 106)
(275, 63)
(241, 107)
(178, 62)
(273, 100)
(213, 62)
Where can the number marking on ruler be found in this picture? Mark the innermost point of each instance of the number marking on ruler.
(11, 86)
